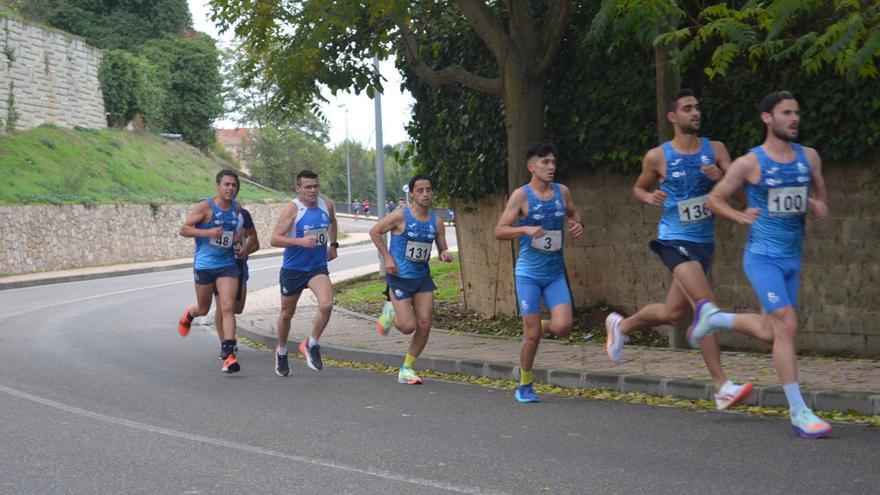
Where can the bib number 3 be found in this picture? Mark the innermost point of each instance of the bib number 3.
(787, 201)
(551, 241)
(420, 252)
(693, 210)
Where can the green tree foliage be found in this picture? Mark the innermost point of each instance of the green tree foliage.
(842, 34)
(190, 76)
(276, 155)
(122, 24)
(131, 86)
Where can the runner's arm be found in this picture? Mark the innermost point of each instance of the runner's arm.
(282, 227)
(575, 224)
(442, 247)
(736, 176)
(722, 159)
(382, 227)
(645, 189)
(333, 230)
(199, 214)
(505, 229)
(818, 199)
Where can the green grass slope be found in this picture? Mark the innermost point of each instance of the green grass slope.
(52, 165)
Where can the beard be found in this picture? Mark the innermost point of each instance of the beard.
(690, 129)
(784, 136)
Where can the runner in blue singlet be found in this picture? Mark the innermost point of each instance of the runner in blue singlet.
(685, 169)
(213, 223)
(539, 214)
(783, 180)
(410, 289)
(306, 230)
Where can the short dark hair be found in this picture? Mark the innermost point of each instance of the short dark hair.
(672, 103)
(305, 174)
(775, 98)
(418, 177)
(227, 173)
(540, 150)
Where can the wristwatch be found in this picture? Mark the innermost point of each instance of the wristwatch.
(334, 244)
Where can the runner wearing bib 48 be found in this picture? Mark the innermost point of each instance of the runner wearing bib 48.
(678, 176)
(783, 180)
(306, 230)
(538, 214)
(410, 289)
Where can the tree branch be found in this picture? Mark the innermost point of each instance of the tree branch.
(444, 77)
(552, 31)
(486, 26)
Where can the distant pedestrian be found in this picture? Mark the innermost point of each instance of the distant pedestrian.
(366, 205)
(356, 208)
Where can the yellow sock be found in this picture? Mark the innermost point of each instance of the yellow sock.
(525, 377)
(545, 326)
(409, 361)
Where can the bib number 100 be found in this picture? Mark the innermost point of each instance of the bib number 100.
(785, 201)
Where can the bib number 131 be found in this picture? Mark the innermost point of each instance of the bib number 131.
(418, 251)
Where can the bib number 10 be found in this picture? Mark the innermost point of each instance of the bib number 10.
(787, 201)
(321, 234)
(419, 252)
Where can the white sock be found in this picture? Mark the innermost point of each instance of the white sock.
(795, 399)
(312, 341)
(282, 351)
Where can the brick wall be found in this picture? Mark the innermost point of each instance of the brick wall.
(840, 285)
(52, 75)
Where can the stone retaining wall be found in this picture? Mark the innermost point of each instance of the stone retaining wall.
(840, 286)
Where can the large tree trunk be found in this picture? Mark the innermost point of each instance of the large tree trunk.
(668, 82)
(524, 110)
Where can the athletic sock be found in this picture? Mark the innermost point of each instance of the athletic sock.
(525, 377)
(228, 347)
(282, 351)
(795, 399)
(409, 361)
(189, 316)
(721, 320)
(312, 341)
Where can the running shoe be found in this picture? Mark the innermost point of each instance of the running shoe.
(526, 394)
(731, 394)
(281, 366)
(808, 425)
(185, 323)
(230, 364)
(614, 339)
(700, 327)
(312, 355)
(386, 319)
(408, 376)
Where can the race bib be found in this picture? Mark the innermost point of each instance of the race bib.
(321, 234)
(693, 210)
(550, 241)
(787, 201)
(420, 252)
(224, 241)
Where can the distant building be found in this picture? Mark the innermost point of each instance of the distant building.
(234, 141)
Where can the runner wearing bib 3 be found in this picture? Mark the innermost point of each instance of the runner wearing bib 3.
(213, 223)
(410, 289)
(783, 180)
(536, 214)
(678, 176)
(306, 230)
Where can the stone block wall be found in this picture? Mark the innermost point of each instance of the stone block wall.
(52, 75)
(840, 283)
(46, 238)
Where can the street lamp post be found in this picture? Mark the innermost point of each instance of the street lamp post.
(347, 158)
(380, 161)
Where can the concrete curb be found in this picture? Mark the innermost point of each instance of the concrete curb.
(171, 265)
(865, 403)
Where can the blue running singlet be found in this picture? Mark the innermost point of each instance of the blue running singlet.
(411, 249)
(542, 257)
(685, 214)
(781, 196)
(217, 253)
(309, 222)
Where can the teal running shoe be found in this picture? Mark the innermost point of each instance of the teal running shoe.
(806, 424)
(526, 394)
(408, 376)
(386, 319)
(700, 327)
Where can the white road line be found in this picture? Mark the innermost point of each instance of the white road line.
(239, 446)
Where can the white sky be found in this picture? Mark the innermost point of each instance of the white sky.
(396, 106)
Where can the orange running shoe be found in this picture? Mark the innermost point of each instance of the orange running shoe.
(185, 323)
(230, 365)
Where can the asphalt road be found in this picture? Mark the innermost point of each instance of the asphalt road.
(98, 394)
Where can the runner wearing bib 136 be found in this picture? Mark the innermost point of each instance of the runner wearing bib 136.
(410, 289)
(685, 168)
(536, 214)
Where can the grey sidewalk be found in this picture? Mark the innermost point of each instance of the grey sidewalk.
(829, 384)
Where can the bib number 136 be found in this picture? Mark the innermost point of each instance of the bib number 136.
(693, 210)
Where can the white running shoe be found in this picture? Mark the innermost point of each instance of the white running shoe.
(614, 339)
(731, 394)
